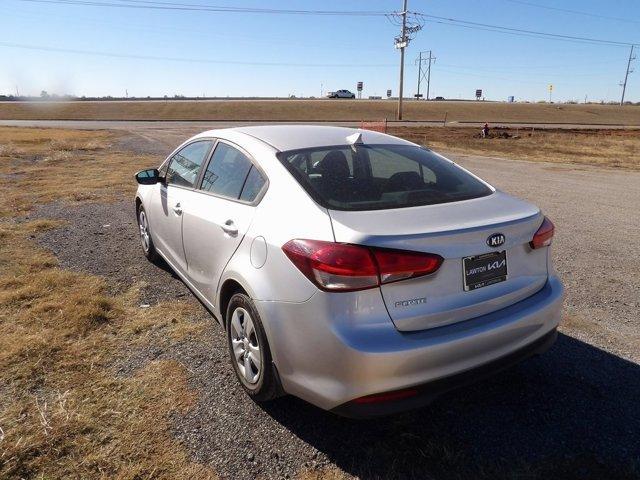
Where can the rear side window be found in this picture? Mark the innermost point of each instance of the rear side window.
(374, 177)
(185, 165)
(252, 186)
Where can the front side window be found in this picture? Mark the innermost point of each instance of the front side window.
(374, 177)
(227, 171)
(185, 165)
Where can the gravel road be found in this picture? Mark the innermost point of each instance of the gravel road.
(572, 413)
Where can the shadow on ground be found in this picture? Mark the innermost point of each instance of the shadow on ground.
(572, 413)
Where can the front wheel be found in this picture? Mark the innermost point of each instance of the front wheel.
(249, 350)
(145, 235)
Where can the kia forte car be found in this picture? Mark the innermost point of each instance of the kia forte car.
(358, 271)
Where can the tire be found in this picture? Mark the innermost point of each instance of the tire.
(146, 241)
(249, 351)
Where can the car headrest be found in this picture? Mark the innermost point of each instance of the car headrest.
(334, 166)
(404, 181)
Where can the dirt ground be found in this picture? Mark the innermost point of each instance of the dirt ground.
(322, 109)
(114, 369)
(608, 148)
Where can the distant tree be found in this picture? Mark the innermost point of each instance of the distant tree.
(44, 94)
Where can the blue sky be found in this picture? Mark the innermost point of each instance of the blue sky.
(313, 51)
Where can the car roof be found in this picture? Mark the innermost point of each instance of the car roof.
(294, 137)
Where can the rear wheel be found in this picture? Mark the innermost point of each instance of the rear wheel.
(145, 235)
(249, 350)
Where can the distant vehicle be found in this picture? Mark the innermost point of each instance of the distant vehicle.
(439, 98)
(341, 94)
(395, 274)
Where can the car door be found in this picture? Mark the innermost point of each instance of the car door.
(215, 225)
(166, 210)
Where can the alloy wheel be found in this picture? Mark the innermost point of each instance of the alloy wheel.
(144, 230)
(246, 349)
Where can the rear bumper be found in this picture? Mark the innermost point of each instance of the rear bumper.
(425, 394)
(335, 348)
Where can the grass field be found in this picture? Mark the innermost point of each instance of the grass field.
(322, 110)
(69, 413)
(64, 412)
(608, 148)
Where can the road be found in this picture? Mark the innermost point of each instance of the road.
(198, 126)
(572, 413)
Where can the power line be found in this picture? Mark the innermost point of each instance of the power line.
(185, 60)
(154, 5)
(574, 12)
(150, 4)
(557, 36)
(527, 67)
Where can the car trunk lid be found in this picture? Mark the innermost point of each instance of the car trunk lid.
(455, 231)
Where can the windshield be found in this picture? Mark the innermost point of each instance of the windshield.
(374, 177)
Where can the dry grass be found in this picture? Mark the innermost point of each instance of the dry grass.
(38, 166)
(609, 148)
(321, 109)
(64, 411)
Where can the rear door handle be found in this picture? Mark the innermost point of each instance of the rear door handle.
(230, 228)
(177, 209)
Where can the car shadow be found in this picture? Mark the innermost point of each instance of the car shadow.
(162, 264)
(573, 412)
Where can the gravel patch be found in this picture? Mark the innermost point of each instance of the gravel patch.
(571, 413)
(102, 239)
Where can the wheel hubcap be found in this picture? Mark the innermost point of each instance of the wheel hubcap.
(246, 349)
(144, 230)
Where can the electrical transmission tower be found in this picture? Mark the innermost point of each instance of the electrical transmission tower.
(626, 76)
(409, 24)
(427, 72)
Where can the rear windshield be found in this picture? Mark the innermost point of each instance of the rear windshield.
(374, 177)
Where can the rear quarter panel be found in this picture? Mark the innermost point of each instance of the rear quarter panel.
(285, 212)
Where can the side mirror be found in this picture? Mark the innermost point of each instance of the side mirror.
(148, 177)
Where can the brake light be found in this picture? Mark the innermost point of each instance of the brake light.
(544, 235)
(345, 267)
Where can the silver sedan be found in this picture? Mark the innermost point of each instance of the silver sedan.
(355, 270)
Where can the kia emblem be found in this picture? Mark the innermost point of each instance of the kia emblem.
(496, 240)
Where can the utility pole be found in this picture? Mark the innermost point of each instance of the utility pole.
(427, 73)
(626, 76)
(402, 44)
(419, 74)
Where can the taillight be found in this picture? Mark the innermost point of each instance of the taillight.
(397, 265)
(345, 267)
(544, 235)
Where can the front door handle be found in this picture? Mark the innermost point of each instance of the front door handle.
(177, 209)
(230, 228)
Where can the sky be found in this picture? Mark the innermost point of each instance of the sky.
(99, 50)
